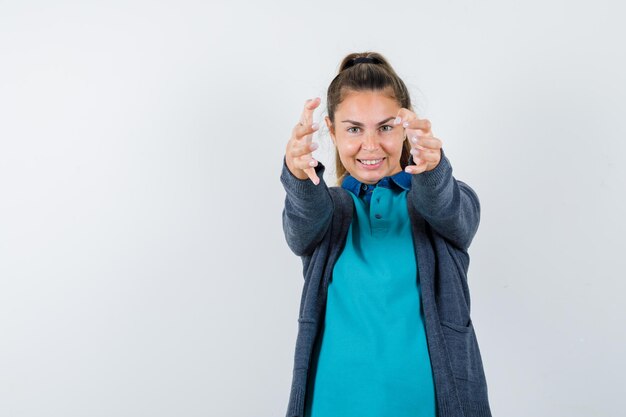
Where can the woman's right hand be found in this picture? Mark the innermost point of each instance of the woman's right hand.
(298, 156)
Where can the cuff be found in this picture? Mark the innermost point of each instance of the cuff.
(436, 175)
(302, 188)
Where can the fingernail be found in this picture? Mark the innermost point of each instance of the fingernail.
(414, 139)
(419, 132)
(405, 124)
(315, 125)
(397, 120)
(314, 145)
(312, 163)
(415, 152)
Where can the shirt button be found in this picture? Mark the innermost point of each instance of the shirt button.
(364, 187)
(378, 216)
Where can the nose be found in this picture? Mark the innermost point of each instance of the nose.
(370, 142)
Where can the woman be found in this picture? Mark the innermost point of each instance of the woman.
(384, 327)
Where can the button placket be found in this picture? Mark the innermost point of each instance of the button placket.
(378, 216)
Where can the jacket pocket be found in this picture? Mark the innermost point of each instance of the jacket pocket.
(462, 350)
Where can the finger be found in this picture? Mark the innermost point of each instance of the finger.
(312, 175)
(429, 142)
(307, 163)
(418, 168)
(304, 162)
(417, 146)
(409, 120)
(419, 161)
(304, 131)
(424, 155)
(413, 135)
(309, 107)
(404, 114)
(422, 124)
(302, 148)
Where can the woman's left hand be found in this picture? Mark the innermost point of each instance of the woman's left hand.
(425, 148)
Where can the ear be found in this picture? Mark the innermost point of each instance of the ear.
(331, 128)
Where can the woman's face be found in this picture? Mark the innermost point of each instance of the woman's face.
(368, 143)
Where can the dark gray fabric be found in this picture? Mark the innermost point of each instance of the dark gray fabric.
(445, 213)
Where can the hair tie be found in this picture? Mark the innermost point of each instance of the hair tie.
(363, 59)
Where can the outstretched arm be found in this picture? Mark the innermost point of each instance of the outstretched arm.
(308, 210)
(451, 207)
(308, 205)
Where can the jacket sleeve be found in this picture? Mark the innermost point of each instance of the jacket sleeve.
(308, 210)
(450, 206)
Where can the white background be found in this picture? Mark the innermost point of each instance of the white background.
(143, 267)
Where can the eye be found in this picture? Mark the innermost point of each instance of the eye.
(352, 127)
(385, 128)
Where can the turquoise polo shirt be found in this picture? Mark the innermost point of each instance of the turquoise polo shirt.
(371, 358)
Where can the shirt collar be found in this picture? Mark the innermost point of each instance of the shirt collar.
(401, 179)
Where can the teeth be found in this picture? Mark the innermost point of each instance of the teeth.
(371, 161)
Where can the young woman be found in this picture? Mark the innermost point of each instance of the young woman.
(384, 327)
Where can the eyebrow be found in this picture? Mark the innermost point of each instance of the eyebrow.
(361, 124)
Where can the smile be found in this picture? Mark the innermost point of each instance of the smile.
(371, 163)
